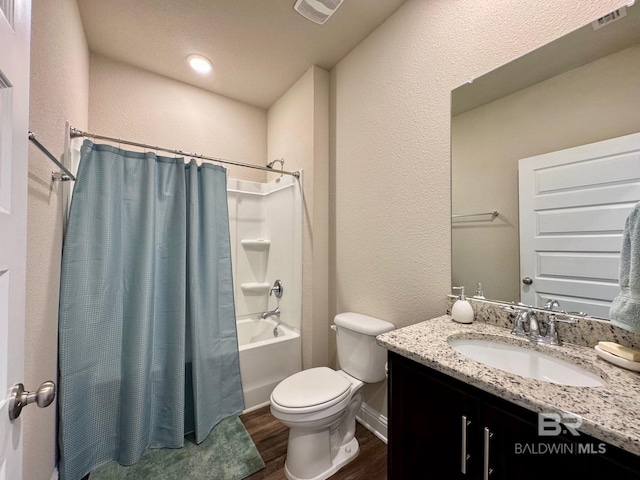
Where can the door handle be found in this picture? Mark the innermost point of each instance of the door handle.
(19, 398)
(487, 438)
(465, 456)
(527, 280)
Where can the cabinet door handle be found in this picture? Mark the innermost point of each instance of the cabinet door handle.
(465, 456)
(487, 438)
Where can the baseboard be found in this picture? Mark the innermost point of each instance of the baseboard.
(256, 407)
(54, 475)
(373, 421)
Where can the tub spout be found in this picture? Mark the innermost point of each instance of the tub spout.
(270, 313)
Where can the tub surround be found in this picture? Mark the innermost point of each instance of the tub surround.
(610, 413)
(265, 228)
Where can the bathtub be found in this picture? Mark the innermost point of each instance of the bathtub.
(265, 360)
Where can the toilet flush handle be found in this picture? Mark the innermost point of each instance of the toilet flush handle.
(334, 328)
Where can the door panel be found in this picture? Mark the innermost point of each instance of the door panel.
(426, 430)
(573, 206)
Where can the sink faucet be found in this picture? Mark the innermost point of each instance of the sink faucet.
(270, 313)
(528, 326)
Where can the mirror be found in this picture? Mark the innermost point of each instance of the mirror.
(581, 89)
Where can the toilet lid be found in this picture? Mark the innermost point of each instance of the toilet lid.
(310, 387)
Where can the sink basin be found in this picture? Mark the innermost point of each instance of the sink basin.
(525, 362)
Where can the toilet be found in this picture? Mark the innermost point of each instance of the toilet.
(319, 405)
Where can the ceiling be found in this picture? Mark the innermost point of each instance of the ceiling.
(258, 48)
(573, 50)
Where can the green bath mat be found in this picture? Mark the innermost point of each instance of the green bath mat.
(228, 453)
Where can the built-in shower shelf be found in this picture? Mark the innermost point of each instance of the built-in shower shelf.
(255, 244)
(255, 288)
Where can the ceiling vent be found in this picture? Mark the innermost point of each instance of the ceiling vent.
(609, 18)
(318, 11)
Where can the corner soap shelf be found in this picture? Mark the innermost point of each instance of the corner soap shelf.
(255, 244)
(255, 288)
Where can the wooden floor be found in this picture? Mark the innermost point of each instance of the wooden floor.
(270, 437)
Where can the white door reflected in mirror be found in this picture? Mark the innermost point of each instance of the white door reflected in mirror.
(573, 207)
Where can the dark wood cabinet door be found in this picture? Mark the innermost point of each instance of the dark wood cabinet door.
(428, 423)
(518, 451)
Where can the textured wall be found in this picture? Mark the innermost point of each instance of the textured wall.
(298, 132)
(390, 252)
(488, 141)
(133, 104)
(59, 92)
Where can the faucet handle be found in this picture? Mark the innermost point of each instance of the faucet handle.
(277, 288)
(522, 319)
(551, 337)
(551, 303)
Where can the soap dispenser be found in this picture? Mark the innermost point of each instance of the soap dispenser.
(479, 293)
(462, 312)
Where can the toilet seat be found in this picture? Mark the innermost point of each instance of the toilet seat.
(311, 390)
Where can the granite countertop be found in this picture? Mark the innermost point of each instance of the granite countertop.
(610, 413)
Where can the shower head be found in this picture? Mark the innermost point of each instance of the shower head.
(281, 160)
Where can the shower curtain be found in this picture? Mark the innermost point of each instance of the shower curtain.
(148, 346)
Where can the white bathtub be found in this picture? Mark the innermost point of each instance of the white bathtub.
(265, 360)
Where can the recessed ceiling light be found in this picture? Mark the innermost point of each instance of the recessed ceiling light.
(199, 63)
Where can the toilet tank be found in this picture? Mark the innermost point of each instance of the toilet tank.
(358, 353)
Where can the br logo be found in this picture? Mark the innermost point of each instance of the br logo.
(554, 424)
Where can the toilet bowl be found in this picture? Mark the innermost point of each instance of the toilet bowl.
(319, 405)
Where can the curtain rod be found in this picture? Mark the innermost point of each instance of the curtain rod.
(74, 132)
(57, 176)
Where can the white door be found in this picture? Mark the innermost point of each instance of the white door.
(15, 24)
(573, 206)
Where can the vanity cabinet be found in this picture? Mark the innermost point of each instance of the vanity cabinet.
(441, 428)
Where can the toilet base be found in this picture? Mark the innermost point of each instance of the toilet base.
(346, 453)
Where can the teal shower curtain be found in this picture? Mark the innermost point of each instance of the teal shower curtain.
(148, 346)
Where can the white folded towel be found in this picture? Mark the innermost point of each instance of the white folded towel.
(625, 309)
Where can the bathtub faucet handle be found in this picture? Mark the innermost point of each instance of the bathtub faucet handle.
(277, 288)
